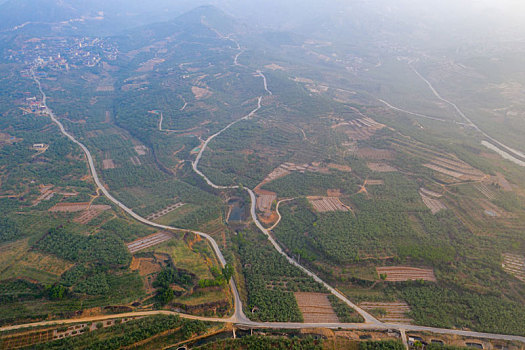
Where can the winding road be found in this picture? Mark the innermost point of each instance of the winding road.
(514, 153)
(238, 317)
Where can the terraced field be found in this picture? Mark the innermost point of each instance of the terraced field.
(515, 265)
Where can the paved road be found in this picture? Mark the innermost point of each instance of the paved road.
(519, 155)
(274, 325)
(279, 217)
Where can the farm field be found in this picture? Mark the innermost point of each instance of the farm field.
(405, 273)
(265, 200)
(148, 241)
(76, 207)
(515, 265)
(164, 211)
(359, 129)
(381, 167)
(394, 312)
(435, 205)
(327, 204)
(315, 308)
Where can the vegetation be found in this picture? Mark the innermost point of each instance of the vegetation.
(344, 313)
(270, 280)
(263, 343)
(448, 308)
(128, 333)
(381, 345)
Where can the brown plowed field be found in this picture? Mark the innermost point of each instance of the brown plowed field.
(325, 204)
(381, 167)
(316, 308)
(395, 312)
(515, 265)
(75, 207)
(148, 241)
(406, 273)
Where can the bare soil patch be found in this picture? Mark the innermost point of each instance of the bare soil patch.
(381, 167)
(406, 273)
(145, 266)
(326, 204)
(108, 164)
(274, 66)
(199, 92)
(265, 200)
(316, 308)
(389, 312)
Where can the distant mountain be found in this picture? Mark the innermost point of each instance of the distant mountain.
(117, 13)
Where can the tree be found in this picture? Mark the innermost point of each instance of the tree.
(227, 272)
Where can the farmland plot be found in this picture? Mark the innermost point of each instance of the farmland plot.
(515, 265)
(395, 312)
(148, 241)
(265, 200)
(164, 211)
(76, 207)
(433, 204)
(326, 204)
(360, 129)
(108, 164)
(406, 273)
(316, 308)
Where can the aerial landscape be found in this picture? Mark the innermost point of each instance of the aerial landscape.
(234, 174)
